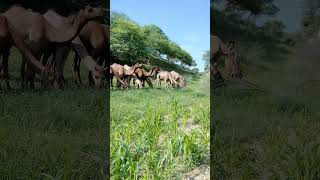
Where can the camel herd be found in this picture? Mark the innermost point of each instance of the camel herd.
(45, 40)
(136, 74)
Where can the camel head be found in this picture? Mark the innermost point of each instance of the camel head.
(48, 77)
(183, 82)
(90, 12)
(156, 70)
(97, 75)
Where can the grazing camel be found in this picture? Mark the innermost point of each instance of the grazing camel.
(166, 77)
(141, 76)
(217, 48)
(21, 31)
(41, 35)
(61, 51)
(94, 37)
(181, 82)
(5, 46)
(121, 73)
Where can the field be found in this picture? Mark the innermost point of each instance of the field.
(160, 133)
(54, 134)
(270, 134)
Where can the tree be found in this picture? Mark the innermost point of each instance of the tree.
(273, 28)
(254, 8)
(133, 42)
(206, 58)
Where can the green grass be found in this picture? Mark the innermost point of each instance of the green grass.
(159, 133)
(52, 134)
(271, 135)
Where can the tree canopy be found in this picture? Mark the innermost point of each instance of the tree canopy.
(133, 42)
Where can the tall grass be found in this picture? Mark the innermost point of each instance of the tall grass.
(158, 133)
(52, 134)
(270, 135)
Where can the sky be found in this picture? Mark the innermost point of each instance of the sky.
(186, 22)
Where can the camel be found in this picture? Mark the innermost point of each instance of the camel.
(16, 38)
(165, 76)
(5, 46)
(217, 49)
(94, 37)
(40, 35)
(141, 75)
(181, 82)
(121, 73)
(60, 51)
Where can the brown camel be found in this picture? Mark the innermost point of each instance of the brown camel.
(166, 77)
(5, 46)
(121, 73)
(181, 82)
(143, 76)
(13, 35)
(217, 48)
(60, 51)
(94, 37)
(40, 35)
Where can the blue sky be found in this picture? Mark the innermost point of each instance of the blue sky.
(186, 22)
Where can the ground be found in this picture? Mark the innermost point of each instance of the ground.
(50, 134)
(160, 133)
(270, 134)
(61, 134)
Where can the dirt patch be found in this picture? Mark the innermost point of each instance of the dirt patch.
(200, 173)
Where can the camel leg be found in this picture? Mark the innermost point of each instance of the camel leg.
(61, 53)
(76, 70)
(5, 59)
(23, 71)
(149, 82)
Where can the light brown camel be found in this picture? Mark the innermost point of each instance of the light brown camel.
(17, 38)
(143, 76)
(60, 51)
(121, 73)
(181, 82)
(217, 49)
(40, 35)
(94, 37)
(166, 77)
(5, 46)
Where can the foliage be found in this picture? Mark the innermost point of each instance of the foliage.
(273, 28)
(159, 133)
(133, 42)
(206, 58)
(256, 8)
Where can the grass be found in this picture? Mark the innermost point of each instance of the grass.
(159, 133)
(52, 134)
(270, 135)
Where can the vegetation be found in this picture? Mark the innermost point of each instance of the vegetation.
(267, 129)
(131, 42)
(54, 134)
(156, 133)
(159, 133)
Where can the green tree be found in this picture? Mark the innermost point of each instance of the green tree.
(273, 28)
(206, 58)
(132, 42)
